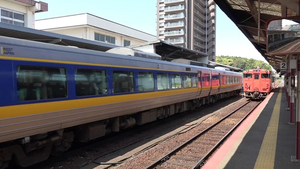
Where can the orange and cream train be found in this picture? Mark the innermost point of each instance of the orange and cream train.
(257, 83)
(51, 96)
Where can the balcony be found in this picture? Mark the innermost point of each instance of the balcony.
(174, 33)
(200, 7)
(174, 8)
(175, 41)
(199, 29)
(211, 15)
(198, 21)
(211, 50)
(200, 15)
(211, 43)
(174, 24)
(198, 44)
(203, 3)
(174, 16)
(199, 37)
(212, 8)
(211, 37)
(211, 30)
(173, 1)
(211, 23)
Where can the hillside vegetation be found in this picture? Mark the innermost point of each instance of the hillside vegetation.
(242, 63)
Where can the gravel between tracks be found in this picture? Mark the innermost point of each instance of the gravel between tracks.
(159, 151)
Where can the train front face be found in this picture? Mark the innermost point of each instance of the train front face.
(257, 83)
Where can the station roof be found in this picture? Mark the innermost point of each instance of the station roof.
(169, 51)
(54, 38)
(251, 18)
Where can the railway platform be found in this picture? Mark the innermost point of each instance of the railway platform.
(264, 140)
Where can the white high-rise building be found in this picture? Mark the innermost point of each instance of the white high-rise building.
(188, 23)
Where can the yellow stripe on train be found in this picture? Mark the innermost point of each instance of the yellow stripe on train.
(51, 106)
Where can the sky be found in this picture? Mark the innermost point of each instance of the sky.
(141, 15)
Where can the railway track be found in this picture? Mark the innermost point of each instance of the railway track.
(193, 153)
(191, 149)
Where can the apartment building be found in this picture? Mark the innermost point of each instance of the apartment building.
(21, 12)
(188, 23)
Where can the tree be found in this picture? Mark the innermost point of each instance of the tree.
(242, 63)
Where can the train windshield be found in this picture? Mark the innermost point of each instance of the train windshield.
(247, 75)
(265, 75)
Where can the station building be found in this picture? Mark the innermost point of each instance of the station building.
(21, 12)
(91, 27)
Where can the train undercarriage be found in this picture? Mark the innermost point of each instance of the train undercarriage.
(256, 95)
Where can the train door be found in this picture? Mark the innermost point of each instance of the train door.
(199, 83)
(210, 81)
(266, 82)
(219, 87)
(256, 81)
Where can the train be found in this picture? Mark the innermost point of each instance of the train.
(258, 83)
(51, 95)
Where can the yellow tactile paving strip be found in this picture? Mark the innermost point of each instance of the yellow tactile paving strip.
(266, 156)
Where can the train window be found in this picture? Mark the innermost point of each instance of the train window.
(256, 76)
(215, 77)
(123, 81)
(247, 75)
(194, 81)
(176, 81)
(40, 83)
(265, 75)
(145, 81)
(90, 82)
(187, 81)
(163, 81)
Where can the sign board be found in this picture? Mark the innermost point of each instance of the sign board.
(272, 63)
(283, 66)
(293, 62)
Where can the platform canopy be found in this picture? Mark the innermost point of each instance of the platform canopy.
(169, 51)
(251, 17)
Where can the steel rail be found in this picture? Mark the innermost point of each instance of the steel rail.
(203, 159)
(167, 156)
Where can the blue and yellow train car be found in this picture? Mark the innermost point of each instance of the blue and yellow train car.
(51, 95)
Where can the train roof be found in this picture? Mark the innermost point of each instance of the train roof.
(74, 54)
(257, 70)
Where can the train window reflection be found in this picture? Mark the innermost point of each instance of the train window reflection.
(39, 83)
(187, 81)
(123, 81)
(263, 75)
(176, 81)
(247, 75)
(90, 82)
(146, 81)
(194, 81)
(163, 81)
